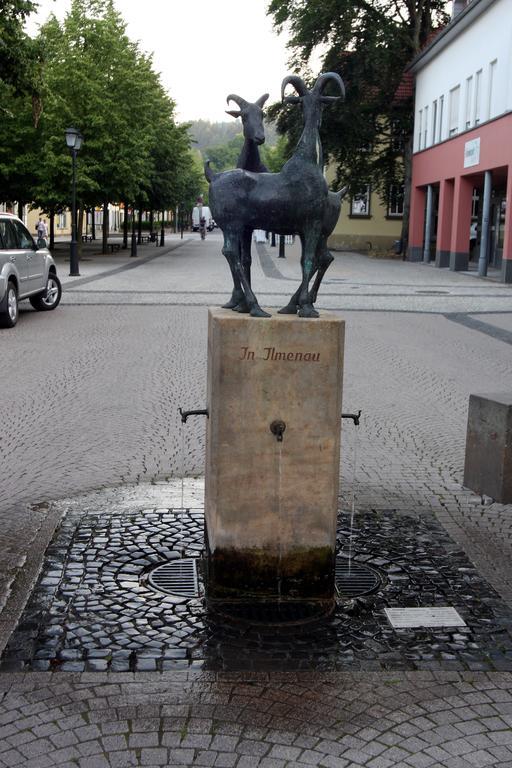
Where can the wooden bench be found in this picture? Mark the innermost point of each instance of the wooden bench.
(86, 238)
(114, 247)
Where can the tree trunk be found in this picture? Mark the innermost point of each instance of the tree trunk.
(125, 225)
(93, 222)
(52, 228)
(151, 220)
(407, 196)
(20, 211)
(139, 227)
(105, 228)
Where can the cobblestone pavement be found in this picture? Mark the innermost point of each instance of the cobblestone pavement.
(93, 394)
(251, 720)
(95, 607)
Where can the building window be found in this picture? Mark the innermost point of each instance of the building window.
(420, 124)
(453, 123)
(434, 121)
(61, 222)
(478, 98)
(469, 97)
(425, 128)
(492, 82)
(441, 108)
(396, 200)
(360, 202)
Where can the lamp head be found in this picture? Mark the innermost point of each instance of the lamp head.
(73, 139)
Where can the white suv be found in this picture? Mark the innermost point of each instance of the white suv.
(27, 271)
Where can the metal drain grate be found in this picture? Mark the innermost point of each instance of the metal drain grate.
(177, 577)
(357, 580)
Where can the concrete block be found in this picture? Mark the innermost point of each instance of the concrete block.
(488, 464)
(271, 505)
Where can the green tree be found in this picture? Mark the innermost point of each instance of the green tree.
(17, 50)
(224, 156)
(369, 43)
(96, 79)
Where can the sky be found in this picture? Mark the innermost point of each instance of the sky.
(203, 49)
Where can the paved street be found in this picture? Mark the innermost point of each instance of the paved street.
(93, 392)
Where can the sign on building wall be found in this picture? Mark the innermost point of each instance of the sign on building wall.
(472, 152)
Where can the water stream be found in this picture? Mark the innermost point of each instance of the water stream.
(280, 532)
(181, 511)
(353, 495)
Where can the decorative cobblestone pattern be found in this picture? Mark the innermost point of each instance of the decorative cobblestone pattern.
(375, 720)
(93, 610)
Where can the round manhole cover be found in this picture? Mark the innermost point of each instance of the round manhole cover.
(176, 577)
(356, 579)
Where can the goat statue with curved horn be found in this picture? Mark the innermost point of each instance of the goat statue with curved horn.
(294, 201)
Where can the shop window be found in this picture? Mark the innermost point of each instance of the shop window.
(360, 202)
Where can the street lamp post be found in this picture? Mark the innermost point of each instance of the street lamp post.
(133, 251)
(74, 141)
(162, 231)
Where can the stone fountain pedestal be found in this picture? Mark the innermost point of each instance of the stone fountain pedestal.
(271, 504)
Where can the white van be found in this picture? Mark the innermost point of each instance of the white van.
(197, 212)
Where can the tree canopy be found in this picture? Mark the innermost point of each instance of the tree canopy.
(17, 51)
(369, 43)
(93, 77)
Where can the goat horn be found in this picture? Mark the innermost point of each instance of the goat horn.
(237, 99)
(262, 99)
(327, 77)
(297, 82)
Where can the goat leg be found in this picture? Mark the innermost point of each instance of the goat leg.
(309, 266)
(326, 260)
(233, 256)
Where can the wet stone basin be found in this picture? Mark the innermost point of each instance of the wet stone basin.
(93, 607)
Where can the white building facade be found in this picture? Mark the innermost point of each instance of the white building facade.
(462, 161)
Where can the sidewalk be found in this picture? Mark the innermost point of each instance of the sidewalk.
(93, 262)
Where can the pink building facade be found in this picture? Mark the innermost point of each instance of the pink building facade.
(461, 194)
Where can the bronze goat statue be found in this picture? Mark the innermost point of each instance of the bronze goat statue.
(294, 201)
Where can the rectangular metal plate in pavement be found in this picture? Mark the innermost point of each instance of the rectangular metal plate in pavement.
(401, 618)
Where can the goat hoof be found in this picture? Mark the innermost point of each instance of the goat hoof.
(308, 310)
(257, 311)
(234, 301)
(290, 309)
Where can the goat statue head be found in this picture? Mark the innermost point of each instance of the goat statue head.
(252, 116)
(315, 95)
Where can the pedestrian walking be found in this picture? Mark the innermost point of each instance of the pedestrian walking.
(42, 229)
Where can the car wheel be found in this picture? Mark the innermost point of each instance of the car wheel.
(50, 299)
(9, 307)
